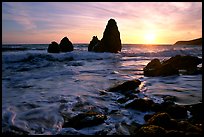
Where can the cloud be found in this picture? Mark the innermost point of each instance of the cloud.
(90, 18)
(18, 13)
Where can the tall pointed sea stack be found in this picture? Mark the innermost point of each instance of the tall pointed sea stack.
(111, 39)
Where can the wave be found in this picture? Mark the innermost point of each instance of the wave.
(165, 53)
(40, 56)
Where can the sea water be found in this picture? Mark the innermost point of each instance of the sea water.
(38, 86)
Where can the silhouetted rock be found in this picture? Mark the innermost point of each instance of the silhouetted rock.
(190, 42)
(172, 66)
(184, 62)
(53, 47)
(111, 39)
(66, 45)
(155, 68)
(93, 42)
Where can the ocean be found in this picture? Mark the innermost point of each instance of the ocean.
(37, 87)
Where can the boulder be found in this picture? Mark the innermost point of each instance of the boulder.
(66, 45)
(53, 47)
(111, 41)
(126, 86)
(151, 130)
(163, 120)
(86, 119)
(93, 42)
(172, 66)
(184, 62)
(140, 104)
(156, 68)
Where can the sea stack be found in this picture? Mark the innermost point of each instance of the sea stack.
(111, 41)
(93, 42)
(53, 47)
(65, 45)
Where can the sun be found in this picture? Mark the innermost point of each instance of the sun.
(149, 38)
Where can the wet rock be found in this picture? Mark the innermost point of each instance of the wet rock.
(152, 67)
(162, 120)
(93, 42)
(140, 104)
(168, 98)
(188, 127)
(127, 97)
(184, 62)
(53, 48)
(111, 39)
(126, 86)
(155, 68)
(175, 133)
(172, 66)
(66, 45)
(177, 111)
(151, 130)
(86, 119)
(196, 111)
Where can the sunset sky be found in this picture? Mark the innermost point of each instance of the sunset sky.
(138, 22)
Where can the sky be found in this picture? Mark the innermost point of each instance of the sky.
(138, 22)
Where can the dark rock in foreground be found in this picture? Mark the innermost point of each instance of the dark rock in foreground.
(126, 86)
(65, 45)
(53, 47)
(86, 119)
(111, 39)
(172, 66)
(190, 42)
(162, 122)
(151, 130)
(140, 104)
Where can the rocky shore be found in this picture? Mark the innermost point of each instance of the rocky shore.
(165, 119)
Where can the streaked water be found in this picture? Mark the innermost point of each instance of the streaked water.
(38, 86)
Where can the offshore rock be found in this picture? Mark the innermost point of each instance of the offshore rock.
(111, 41)
(93, 42)
(53, 47)
(66, 45)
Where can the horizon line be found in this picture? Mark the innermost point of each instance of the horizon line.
(87, 43)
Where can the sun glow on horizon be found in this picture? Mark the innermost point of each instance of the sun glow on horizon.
(149, 38)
